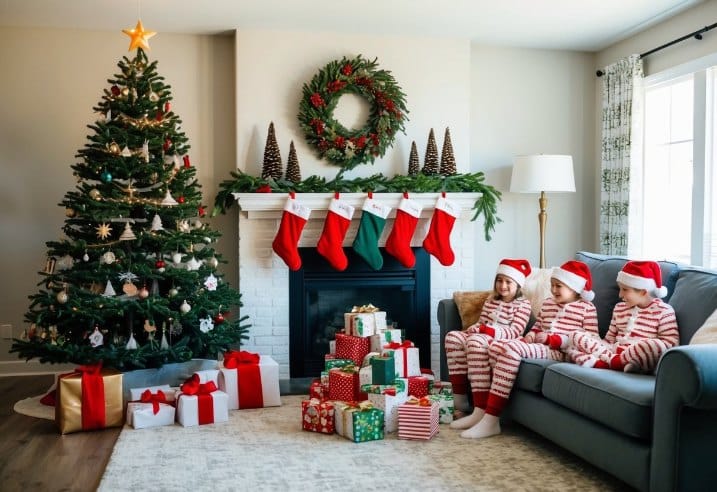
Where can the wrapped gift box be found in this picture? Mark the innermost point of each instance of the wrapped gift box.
(318, 390)
(384, 337)
(89, 398)
(201, 403)
(207, 375)
(331, 361)
(446, 407)
(440, 388)
(325, 378)
(359, 422)
(389, 403)
(250, 380)
(354, 348)
(152, 406)
(418, 386)
(344, 384)
(406, 356)
(398, 387)
(365, 376)
(383, 370)
(418, 419)
(367, 358)
(317, 416)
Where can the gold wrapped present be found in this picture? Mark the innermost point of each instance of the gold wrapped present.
(89, 398)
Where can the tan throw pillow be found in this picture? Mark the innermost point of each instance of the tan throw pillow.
(707, 333)
(470, 304)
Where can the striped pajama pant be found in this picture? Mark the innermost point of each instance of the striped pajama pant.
(467, 356)
(642, 352)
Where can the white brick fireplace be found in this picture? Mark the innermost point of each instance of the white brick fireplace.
(264, 278)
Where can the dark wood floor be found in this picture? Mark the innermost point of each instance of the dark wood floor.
(34, 456)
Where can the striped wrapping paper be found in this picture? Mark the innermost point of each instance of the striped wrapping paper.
(418, 419)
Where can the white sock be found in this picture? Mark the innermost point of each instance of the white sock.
(488, 426)
(460, 402)
(469, 420)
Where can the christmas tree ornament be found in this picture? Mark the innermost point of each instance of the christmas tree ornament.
(62, 297)
(95, 194)
(131, 343)
(104, 230)
(211, 282)
(181, 199)
(413, 163)
(128, 233)
(176, 161)
(398, 243)
(219, 318)
(206, 324)
(167, 159)
(187, 164)
(183, 226)
(198, 224)
(177, 258)
(143, 293)
(133, 93)
(293, 172)
(125, 92)
(185, 307)
(168, 201)
(159, 115)
(448, 160)
(164, 344)
(149, 326)
(160, 265)
(126, 152)
(438, 239)
(193, 265)
(153, 96)
(70, 212)
(175, 327)
(129, 288)
(167, 144)
(106, 177)
(155, 288)
(109, 290)
(156, 223)
(330, 244)
(108, 258)
(430, 164)
(173, 292)
(212, 262)
(373, 221)
(201, 211)
(50, 264)
(85, 257)
(115, 90)
(167, 107)
(145, 151)
(271, 167)
(293, 220)
(114, 148)
(139, 38)
(96, 338)
(65, 263)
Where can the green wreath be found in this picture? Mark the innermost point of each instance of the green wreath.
(331, 140)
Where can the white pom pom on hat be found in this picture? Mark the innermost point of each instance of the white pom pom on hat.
(643, 275)
(517, 270)
(576, 275)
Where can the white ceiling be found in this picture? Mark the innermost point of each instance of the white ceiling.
(583, 25)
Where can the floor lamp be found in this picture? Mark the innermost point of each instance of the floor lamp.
(542, 174)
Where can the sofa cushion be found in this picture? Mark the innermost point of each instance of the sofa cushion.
(695, 298)
(470, 305)
(707, 333)
(618, 400)
(604, 270)
(531, 374)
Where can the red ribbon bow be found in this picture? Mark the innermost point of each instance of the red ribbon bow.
(154, 398)
(93, 396)
(235, 358)
(397, 345)
(203, 391)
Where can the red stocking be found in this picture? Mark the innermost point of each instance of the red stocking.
(330, 244)
(286, 241)
(398, 243)
(438, 239)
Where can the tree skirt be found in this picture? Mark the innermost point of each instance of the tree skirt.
(33, 408)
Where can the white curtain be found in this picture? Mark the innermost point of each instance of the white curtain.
(622, 89)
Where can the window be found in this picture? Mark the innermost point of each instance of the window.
(674, 175)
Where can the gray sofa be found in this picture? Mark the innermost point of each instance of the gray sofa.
(654, 432)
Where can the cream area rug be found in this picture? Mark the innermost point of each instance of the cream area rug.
(266, 449)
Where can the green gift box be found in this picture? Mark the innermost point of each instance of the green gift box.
(340, 363)
(446, 407)
(398, 387)
(359, 422)
(383, 370)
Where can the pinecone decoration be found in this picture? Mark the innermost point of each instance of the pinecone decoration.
(413, 164)
(293, 172)
(448, 160)
(272, 158)
(430, 164)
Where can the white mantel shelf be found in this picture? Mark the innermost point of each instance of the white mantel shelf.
(271, 205)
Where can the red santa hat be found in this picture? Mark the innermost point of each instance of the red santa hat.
(576, 275)
(517, 270)
(643, 275)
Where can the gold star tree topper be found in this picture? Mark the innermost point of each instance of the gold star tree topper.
(139, 38)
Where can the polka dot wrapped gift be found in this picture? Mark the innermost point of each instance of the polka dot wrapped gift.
(359, 422)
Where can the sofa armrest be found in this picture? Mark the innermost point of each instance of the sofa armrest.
(684, 419)
(448, 320)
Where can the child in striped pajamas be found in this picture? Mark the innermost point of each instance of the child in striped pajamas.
(504, 316)
(642, 328)
(568, 311)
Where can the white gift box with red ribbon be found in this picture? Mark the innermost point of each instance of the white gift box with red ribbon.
(252, 382)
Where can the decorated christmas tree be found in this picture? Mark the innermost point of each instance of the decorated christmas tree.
(134, 280)
(430, 163)
(293, 171)
(272, 157)
(413, 163)
(448, 160)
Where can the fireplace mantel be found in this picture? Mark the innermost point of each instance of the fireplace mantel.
(271, 205)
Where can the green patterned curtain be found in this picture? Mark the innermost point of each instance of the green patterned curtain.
(619, 84)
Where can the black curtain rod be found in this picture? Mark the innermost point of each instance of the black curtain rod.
(697, 35)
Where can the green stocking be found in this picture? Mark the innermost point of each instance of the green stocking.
(373, 220)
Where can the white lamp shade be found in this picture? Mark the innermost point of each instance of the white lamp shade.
(536, 173)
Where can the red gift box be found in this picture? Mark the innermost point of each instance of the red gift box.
(354, 348)
(418, 419)
(318, 390)
(344, 385)
(317, 416)
(418, 386)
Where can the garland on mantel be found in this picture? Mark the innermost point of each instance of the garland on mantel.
(486, 205)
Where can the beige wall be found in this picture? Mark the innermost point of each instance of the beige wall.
(51, 80)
